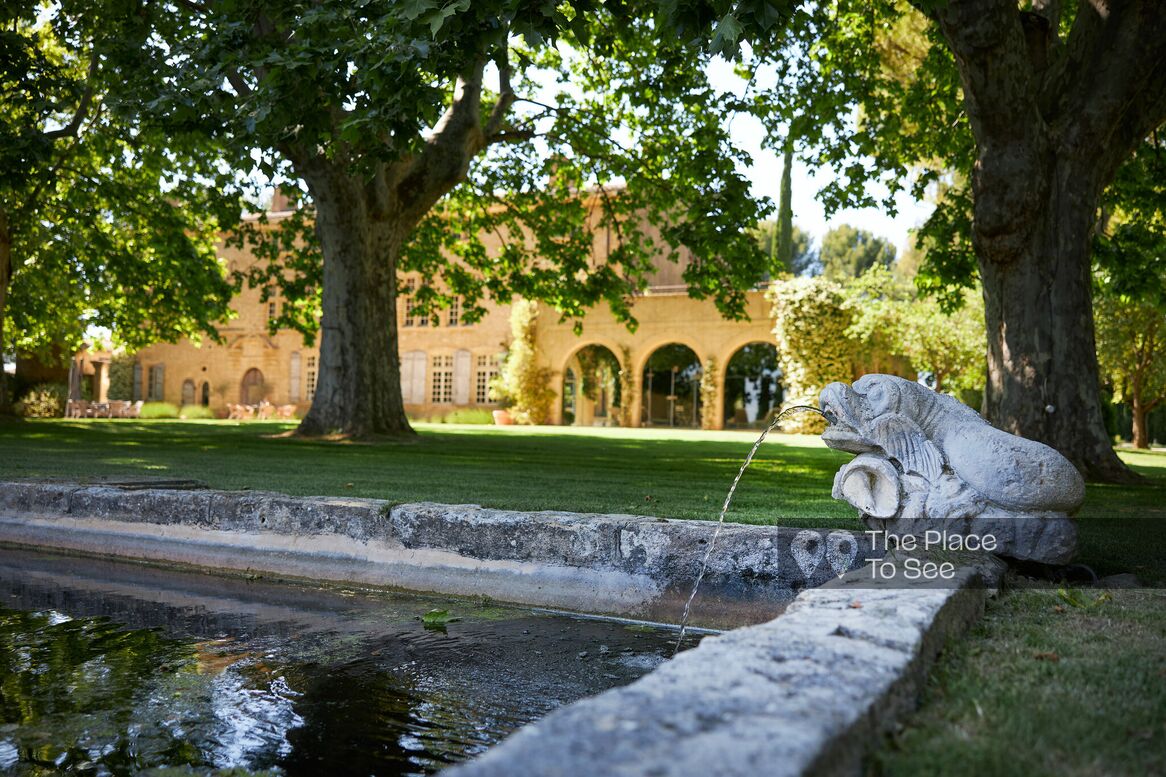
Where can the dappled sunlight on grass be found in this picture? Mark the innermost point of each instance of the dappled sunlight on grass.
(1042, 686)
(669, 473)
(672, 473)
(1151, 463)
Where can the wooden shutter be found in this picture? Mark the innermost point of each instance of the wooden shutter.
(461, 378)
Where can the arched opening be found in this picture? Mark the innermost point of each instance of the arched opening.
(252, 389)
(187, 392)
(671, 382)
(591, 388)
(206, 393)
(752, 386)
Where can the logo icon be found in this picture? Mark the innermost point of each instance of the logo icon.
(841, 550)
(807, 549)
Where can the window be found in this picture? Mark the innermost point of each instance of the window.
(310, 387)
(442, 393)
(188, 392)
(272, 302)
(455, 310)
(487, 369)
(413, 317)
(155, 382)
(410, 285)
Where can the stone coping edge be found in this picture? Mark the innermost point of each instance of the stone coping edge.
(808, 693)
(631, 566)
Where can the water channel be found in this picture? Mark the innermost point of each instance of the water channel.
(110, 668)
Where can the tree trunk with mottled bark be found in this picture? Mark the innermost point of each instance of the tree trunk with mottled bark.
(364, 215)
(1141, 415)
(1043, 375)
(1053, 120)
(5, 278)
(358, 384)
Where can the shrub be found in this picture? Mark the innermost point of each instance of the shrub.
(708, 393)
(46, 400)
(811, 321)
(121, 376)
(158, 410)
(190, 412)
(523, 385)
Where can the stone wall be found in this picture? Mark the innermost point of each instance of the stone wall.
(632, 566)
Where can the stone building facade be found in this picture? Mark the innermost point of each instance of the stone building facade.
(684, 365)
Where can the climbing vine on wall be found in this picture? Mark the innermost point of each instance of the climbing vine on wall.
(811, 319)
(708, 394)
(523, 384)
(627, 385)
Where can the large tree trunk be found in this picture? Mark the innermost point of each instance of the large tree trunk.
(1043, 376)
(1053, 119)
(1141, 424)
(5, 278)
(364, 214)
(358, 386)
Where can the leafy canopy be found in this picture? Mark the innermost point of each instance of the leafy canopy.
(112, 220)
(595, 123)
(848, 252)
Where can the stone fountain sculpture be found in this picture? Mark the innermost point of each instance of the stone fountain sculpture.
(928, 464)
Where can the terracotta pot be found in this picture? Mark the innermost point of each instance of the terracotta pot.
(502, 418)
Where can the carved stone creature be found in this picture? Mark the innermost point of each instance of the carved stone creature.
(927, 462)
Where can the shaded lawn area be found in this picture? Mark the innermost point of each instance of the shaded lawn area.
(668, 473)
(1042, 686)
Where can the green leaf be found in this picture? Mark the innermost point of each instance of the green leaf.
(438, 618)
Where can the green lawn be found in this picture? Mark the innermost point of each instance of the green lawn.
(1045, 687)
(676, 474)
(1042, 685)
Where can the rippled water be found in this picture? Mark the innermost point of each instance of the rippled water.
(111, 668)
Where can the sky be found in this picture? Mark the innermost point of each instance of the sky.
(809, 214)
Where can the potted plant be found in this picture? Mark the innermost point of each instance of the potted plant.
(499, 394)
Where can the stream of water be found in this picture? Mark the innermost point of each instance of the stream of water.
(704, 564)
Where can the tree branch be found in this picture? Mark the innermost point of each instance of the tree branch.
(1000, 94)
(513, 136)
(445, 159)
(70, 129)
(506, 96)
(1108, 91)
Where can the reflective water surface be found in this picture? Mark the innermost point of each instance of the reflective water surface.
(115, 668)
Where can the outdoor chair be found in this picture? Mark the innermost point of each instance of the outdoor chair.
(134, 410)
(286, 412)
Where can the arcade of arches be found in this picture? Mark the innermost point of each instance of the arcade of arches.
(683, 366)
